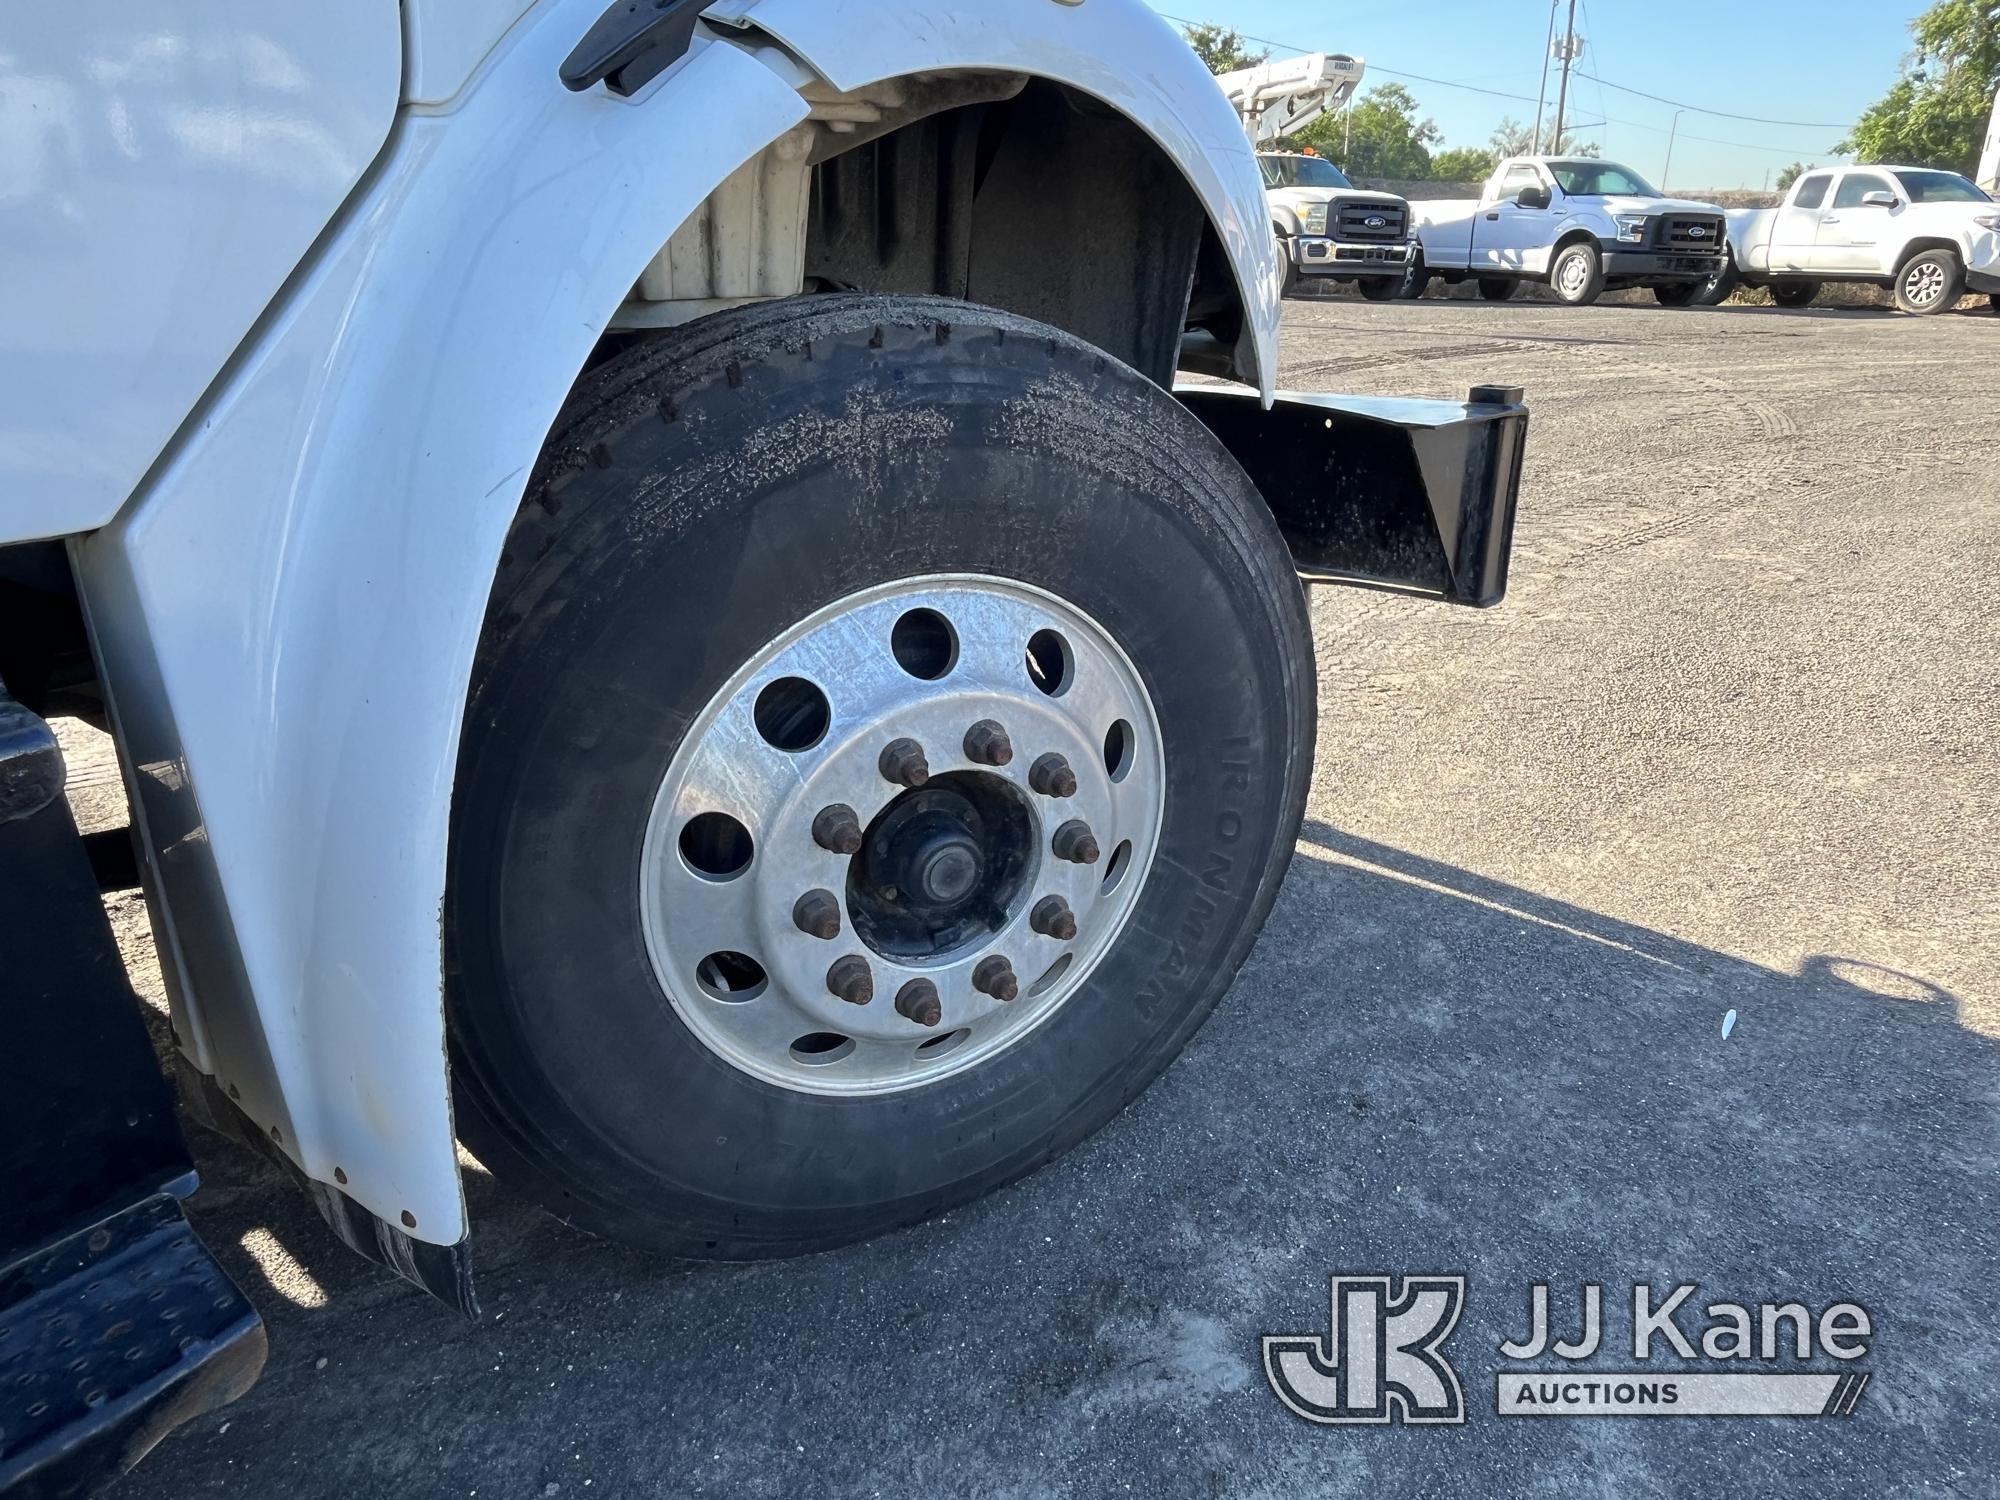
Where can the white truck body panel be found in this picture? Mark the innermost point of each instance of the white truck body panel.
(287, 612)
(165, 166)
(1827, 237)
(1989, 157)
(446, 40)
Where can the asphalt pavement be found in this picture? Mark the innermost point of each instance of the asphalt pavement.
(1729, 746)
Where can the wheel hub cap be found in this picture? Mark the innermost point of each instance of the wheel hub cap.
(778, 818)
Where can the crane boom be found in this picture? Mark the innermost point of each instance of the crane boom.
(1277, 99)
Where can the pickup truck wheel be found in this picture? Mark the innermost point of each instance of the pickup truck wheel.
(1794, 293)
(1416, 280)
(890, 729)
(1577, 277)
(1496, 289)
(1720, 287)
(1680, 294)
(1930, 282)
(1379, 288)
(1293, 280)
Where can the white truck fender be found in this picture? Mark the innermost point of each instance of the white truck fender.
(287, 613)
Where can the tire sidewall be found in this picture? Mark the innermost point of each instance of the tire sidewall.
(884, 463)
(1954, 283)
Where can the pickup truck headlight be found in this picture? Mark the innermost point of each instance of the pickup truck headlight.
(1314, 219)
(1632, 227)
(1987, 221)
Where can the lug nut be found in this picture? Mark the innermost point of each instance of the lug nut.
(903, 763)
(817, 914)
(1051, 776)
(837, 830)
(1075, 842)
(850, 980)
(918, 1001)
(995, 976)
(986, 743)
(1053, 918)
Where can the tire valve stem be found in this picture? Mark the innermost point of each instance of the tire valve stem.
(918, 1001)
(1053, 918)
(1051, 776)
(817, 914)
(903, 763)
(994, 976)
(986, 744)
(850, 980)
(837, 830)
(1075, 842)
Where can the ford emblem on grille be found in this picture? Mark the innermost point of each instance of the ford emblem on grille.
(1376, 221)
(1696, 232)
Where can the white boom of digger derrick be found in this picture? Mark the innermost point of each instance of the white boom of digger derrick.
(1277, 99)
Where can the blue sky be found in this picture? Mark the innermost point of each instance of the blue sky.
(1795, 60)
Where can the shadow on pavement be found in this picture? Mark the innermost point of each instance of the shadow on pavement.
(1420, 1069)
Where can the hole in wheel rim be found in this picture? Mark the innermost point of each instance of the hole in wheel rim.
(1050, 664)
(1119, 742)
(924, 644)
(716, 846)
(1050, 975)
(1121, 859)
(792, 714)
(937, 1046)
(731, 977)
(819, 1049)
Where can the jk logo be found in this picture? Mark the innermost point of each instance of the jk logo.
(1381, 1355)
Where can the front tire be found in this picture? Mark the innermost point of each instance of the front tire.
(763, 477)
(1681, 294)
(1577, 274)
(1379, 288)
(1416, 280)
(1794, 294)
(1496, 289)
(1930, 282)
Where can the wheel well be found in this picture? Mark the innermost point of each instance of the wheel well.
(1047, 203)
(1018, 193)
(1574, 237)
(1918, 247)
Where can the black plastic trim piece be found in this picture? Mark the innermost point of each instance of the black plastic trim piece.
(1414, 496)
(631, 44)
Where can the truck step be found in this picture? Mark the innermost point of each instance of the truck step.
(110, 1338)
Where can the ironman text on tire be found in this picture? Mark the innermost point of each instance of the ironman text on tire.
(890, 730)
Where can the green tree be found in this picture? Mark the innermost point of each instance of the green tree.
(1221, 49)
(1463, 164)
(1935, 114)
(1512, 138)
(1380, 136)
(1792, 174)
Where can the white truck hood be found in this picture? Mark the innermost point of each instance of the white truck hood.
(1312, 197)
(1616, 203)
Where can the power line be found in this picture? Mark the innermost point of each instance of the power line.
(1719, 114)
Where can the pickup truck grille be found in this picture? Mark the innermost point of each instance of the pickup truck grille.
(1690, 232)
(1352, 221)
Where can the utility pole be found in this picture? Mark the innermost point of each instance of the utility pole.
(1542, 93)
(1569, 55)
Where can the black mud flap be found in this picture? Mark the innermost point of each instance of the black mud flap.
(1416, 496)
(115, 1323)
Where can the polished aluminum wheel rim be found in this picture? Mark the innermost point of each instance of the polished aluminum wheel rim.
(1924, 284)
(735, 874)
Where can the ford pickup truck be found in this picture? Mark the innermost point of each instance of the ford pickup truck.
(1582, 226)
(1328, 228)
(1925, 235)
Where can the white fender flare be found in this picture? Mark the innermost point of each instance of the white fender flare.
(287, 613)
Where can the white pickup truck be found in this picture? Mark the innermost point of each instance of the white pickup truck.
(1927, 236)
(1584, 227)
(1326, 227)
